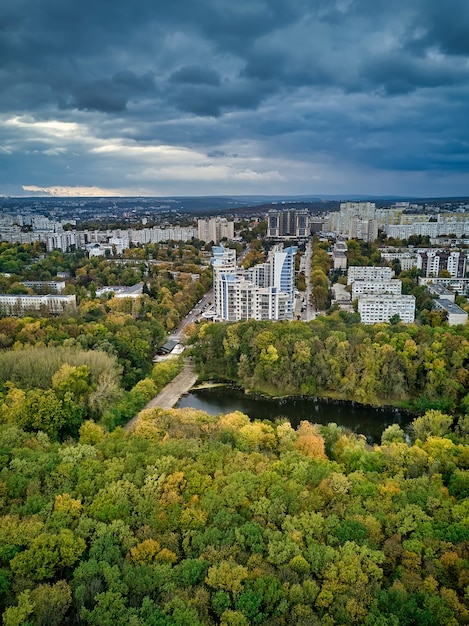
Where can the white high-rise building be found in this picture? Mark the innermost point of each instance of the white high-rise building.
(215, 229)
(356, 220)
(359, 272)
(360, 287)
(375, 309)
(262, 292)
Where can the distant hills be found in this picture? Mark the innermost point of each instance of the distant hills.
(200, 205)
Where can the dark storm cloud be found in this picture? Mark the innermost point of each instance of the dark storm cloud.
(100, 95)
(379, 84)
(109, 96)
(444, 26)
(209, 100)
(399, 74)
(195, 75)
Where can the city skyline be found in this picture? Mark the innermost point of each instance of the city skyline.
(246, 98)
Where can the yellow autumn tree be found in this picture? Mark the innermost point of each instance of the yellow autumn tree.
(309, 441)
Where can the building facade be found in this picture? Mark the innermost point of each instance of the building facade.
(379, 308)
(358, 272)
(407, 260)
(288, 224)
(263, 292)
(360, 287)
(355, 220)
(458, 285)
(45, 286)
(20, 304)
(215, 229)
(432, 261)
(454, 314)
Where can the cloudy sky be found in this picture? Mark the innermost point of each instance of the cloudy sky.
(208, 97)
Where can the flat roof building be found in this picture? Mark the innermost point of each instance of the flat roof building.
(358, 272)
(288, 224)
(455, 315)
(359, 287)
(54, 304)
(441, 291)
(375, 309)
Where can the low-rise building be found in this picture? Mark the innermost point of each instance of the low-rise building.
(455, 315)
(15, 304)
(339, 260)
(441, 292)
(407, 260)
(45, 286)
(135, 291)
(339, 255)
(458, 285)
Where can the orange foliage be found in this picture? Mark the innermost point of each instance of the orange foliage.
(309, 441)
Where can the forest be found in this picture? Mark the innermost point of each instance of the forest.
(414, 367)
(193, 519)
(196, 520)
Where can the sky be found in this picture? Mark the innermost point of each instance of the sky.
(210, 97)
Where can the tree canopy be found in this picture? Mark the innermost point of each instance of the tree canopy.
(199, 519)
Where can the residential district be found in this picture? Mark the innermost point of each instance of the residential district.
(266, 290)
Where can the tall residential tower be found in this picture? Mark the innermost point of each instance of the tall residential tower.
(262, 292)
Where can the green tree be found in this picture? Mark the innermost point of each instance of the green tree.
(47, 553)
(433, 423)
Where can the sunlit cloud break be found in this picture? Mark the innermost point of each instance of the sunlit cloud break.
(78, 192)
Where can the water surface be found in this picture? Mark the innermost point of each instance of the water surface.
(365, 420)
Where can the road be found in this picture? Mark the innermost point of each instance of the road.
(309, 312)
(169, 396)
(192, 316)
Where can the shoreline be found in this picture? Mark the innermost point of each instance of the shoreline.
(317, 398)
(170, 395)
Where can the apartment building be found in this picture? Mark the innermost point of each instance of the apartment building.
(441, 292)
(360, 287)
(365, 229)
(458, 285)
(237, 298)
(379, 308)
(215, 229)
(379, 295)
(407, 260)
(355, 220)
(263, 292)
(432, 261)
(65, 241)
(52, 303)
(288, 224)
(454, 314)
(156, 235)
(358, 272)
(45, 286)
(428, 228)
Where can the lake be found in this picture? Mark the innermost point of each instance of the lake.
(365, 420)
